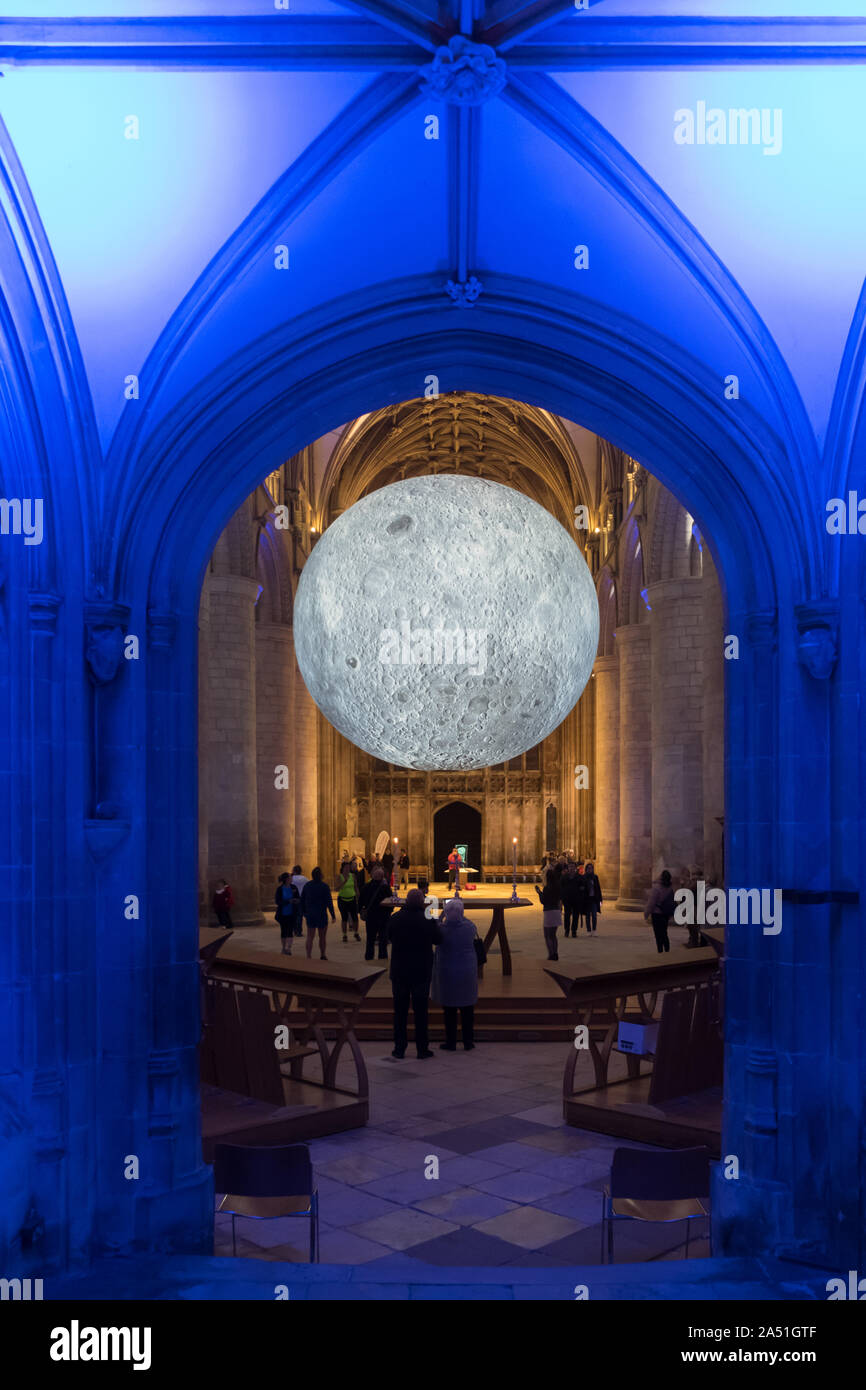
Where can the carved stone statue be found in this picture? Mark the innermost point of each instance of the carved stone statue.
(352, 818)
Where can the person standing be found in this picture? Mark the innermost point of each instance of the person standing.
(347, 900)
(455, 976)
(659, 910)
(360, 871)
(316, 905)
(300, 883)
(376, 908)
(223, 901)
(388, 864)
(412, 936)
(551, 915)
(404, 869)
(454, 863)
(571, 887)
(592, 889)
(288, 903)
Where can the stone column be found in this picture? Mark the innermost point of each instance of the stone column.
(233, 832)
(635, 767)
(569, 796)
(604, 774)
(204, 892)
(714, 723)
(677, 684)
(307, 777)
(275, 663)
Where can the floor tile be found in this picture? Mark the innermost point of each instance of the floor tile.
(576, 1170)
(354, 1205)
(411, 1187)
(465, 1205)
(410, 1154)
(580, 1204)
(357, 1168)
(529, 1227)
(521, 1186)
(349, 1248)
(404, 1229)
(468, 1171)
(557, 1141)
(548, 1114)
(466, 1246)
(513, 1154)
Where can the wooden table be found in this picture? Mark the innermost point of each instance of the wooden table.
(497, 922)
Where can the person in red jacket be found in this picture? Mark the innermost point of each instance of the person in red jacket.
(454, 865)
(223, 899)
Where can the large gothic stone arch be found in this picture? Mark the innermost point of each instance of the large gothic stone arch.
(733, 480)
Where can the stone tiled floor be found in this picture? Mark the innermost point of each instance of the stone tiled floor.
(515, 1186)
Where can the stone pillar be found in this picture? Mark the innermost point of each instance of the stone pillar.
(677, 684)
(233, 832)
(306, 778)
(275, 664)
(569, 797)
(714, 724)
(204, 892)
(605, 772)
(635, 767)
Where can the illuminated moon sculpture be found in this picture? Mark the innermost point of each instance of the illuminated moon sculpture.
(446, 622)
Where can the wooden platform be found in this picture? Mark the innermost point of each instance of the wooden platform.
(309, 1113)
(623, 1110)
(262, 1023)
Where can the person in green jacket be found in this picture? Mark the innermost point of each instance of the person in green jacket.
(347, 900)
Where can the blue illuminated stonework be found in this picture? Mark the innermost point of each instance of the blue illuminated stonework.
(155, 365)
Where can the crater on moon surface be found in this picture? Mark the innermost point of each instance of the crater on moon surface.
(446, 622)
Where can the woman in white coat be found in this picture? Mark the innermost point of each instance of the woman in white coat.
(455, 975)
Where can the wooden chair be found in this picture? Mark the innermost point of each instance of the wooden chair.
(266, 1183)
(672, 1185)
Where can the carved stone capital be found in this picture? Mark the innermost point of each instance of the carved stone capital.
(818, 636)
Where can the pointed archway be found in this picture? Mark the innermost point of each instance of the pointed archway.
(456, 823)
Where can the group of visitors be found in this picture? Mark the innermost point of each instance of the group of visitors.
(571, 887)
(299, 899)
(358, 900)
(452, 972)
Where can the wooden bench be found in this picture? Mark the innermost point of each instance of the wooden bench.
(503, 873)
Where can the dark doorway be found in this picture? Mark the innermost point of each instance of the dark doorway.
(455, 824)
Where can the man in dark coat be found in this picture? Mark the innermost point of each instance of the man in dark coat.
(376, 907)
(573, 891)
(412, 936)
(592, 903)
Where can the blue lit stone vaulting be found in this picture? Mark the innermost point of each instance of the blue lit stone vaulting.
(221, 239)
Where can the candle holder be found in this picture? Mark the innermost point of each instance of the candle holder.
(514, 870)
